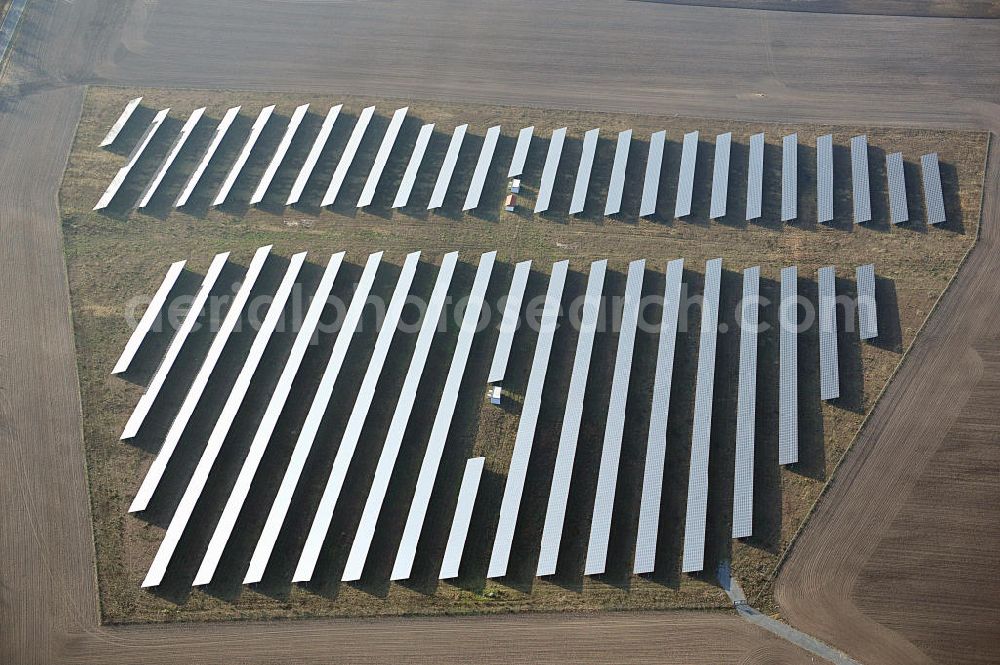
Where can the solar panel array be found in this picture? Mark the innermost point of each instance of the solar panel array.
(220, 133)
(447, 168)
(518, 469)
(685, 179)
(746, 406)
(482, 168)
(583, 173)
(136, 153)
(829, 375)
(697, 502)
(789, 177)
(410, 175)
(262, 437)
(382, 157)
(616, 188)
(508, 325)
(452, 559)
(656, 442)
(562, 473)
(933, 198)
(120, 123)
(355, 422)
(859, 180)
(145, 324)
(175, 149)
(186, 506)
(824, 178)
(347, 157)
(550, 169)
(651, 183)
(755, 177)
(897, 188)
(720, 175)
(314, 153)
(407, 551)
(307, 434)
(400, 419)
(520, 152)
(200, 382)
(241, 160)
(788, 386)
(867, 308)
(607, 477)
(145, 402)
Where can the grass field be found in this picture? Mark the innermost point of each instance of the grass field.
(116, 256)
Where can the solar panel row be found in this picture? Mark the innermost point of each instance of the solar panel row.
(120, 123)
(310, 427)
(217, 137)
(824, 178)
(279, 155)
(347, 157)
(656, 442)
(400, 418)
(382, 157)
(607, 477)
(482, 168)
(829, 379)
(175, 149)
(583, 173)
(407, 551)
(651, 184)
(509, 323)
(447, 168)
(755, 177)
(746, 406)
(933, 198)
(867, 309)
(145, 324)
(685, 179)
(520, 152)
(897, 188)
(463, 518)
(314, 153)
(200, 382)
(789, 177)
(410, 175)
(262, 436)
(697, 502)
(550, 169)
(518, 470)
(555, 512)
(788, 386)
(616, 188)
(241, 160)
(720, 175)
(859, 179)
(133, 157)
(223, 424)
(320, 526)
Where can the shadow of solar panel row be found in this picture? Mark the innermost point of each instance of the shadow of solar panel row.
(334, 485)
(445, 173)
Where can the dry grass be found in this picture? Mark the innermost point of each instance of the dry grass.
(113, 257)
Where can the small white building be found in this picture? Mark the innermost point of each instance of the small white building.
(515, 186)
(495, 393)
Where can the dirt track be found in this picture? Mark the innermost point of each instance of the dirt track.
(609, 56)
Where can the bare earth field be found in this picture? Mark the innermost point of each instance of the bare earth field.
(114, 257)
(634, 57)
